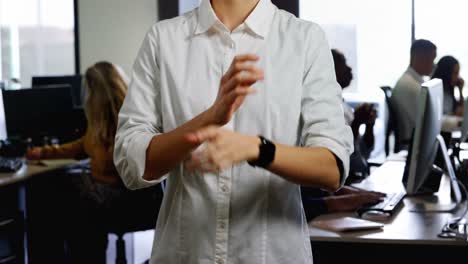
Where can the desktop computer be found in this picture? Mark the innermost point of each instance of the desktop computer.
(464, 128)
(425, 145)
(75, 82)
(420, 170)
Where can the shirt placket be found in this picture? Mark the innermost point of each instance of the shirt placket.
(224, 183)
(228, 51)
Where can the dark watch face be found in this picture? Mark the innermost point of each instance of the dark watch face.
(266, 154)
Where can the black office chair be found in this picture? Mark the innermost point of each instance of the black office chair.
(135, 212)
(12, 238)
(139, 213)
(392, 125)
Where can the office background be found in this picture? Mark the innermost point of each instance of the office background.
(69, 35)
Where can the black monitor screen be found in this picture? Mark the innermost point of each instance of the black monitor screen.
(35, 113)
(52, 81)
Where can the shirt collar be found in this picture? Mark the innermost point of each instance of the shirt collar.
(258, 21)
(413, 73)
(206, 17)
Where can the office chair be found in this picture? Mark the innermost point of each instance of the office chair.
(12, 232)
(135, 212)
(139, 213)
(392, 124)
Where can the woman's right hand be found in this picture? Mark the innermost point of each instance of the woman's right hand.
(235, 86)
(34, 154)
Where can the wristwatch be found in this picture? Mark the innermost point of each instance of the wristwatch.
(266, 154)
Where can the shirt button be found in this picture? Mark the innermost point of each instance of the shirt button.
(233, 45)
(224, 188)
(222, 226)
(219, 261)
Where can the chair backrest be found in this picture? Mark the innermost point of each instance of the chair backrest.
(392, 125)
(135, 211)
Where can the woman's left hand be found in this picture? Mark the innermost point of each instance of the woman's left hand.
(222, 149)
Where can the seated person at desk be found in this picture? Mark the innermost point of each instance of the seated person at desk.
(448, 70)
(101, 192)
(364, 114)
(317, 202)
(406, 90)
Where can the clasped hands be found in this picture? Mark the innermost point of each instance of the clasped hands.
(221, 148)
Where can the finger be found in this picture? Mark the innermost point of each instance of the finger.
(243, 79)
(370, 198)
(379, 194)
(238, 92)
(225, 159)
(237, 103)
(237, 61)
(202, 135)
(246, 57)
(348, 190)
(193, 164)
(208, 161)
(199, 162)
(216, 159)
(240, 67)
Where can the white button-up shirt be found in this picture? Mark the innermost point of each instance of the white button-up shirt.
(243, 214)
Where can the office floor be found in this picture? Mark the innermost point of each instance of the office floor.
(138, 247)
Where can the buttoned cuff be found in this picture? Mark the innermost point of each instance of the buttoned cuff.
(339, 151)
(136, 156)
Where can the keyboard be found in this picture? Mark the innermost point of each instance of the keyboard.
(10, 164)
(390, 204)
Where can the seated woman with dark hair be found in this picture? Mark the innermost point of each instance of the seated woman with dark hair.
(448, 70)
(317, 202)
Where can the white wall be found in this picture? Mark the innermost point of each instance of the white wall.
(187, 5)
(113, 30)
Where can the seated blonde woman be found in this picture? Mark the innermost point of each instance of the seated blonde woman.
(99, 198)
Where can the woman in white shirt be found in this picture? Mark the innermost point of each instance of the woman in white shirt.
(197, 101)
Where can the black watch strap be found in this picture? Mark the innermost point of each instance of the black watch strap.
(266, 154)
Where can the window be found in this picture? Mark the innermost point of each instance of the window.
(37, 37)
(375, 37)
(187, 5)
(444, 23)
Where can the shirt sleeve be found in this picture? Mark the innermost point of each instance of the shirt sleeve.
(321, 107)
(140, 116)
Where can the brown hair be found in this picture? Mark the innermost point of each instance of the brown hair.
(104, 96)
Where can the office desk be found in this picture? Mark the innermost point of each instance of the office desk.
(406, 236)
(19, 193)
(30, 169)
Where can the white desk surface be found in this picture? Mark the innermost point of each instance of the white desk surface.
(405, 227)
(29, 170)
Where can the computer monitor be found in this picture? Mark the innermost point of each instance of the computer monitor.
(42, 112)
(426, 141)
(3, 131)
(56, 81)
(464, 129)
